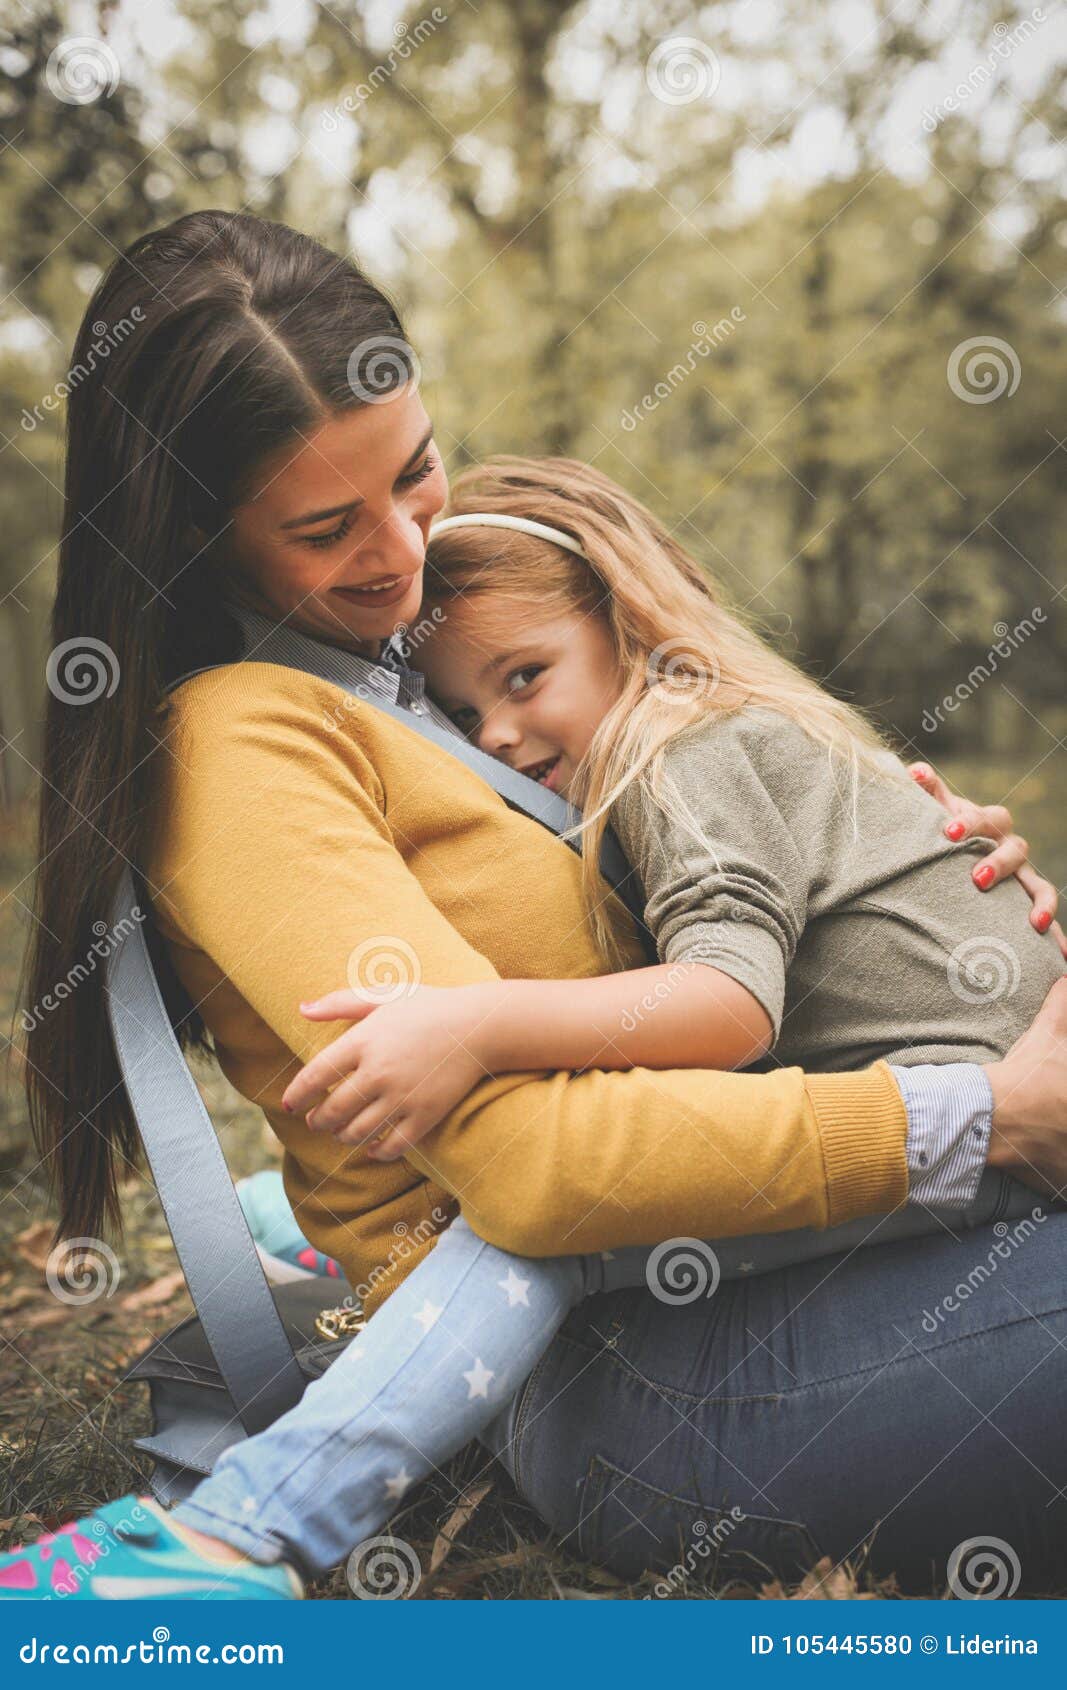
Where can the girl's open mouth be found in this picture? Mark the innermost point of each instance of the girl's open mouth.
(544, 773)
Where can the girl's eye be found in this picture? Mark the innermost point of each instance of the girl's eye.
(465, 719)
(335, 534)
(427, 467)
(521, 678)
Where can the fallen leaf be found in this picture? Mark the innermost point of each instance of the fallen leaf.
(23, 1521)
(34, 1244)
(158, 1291)
(456, 1521)
(828, 1583)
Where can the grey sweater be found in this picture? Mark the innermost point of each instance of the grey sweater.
(861, 934)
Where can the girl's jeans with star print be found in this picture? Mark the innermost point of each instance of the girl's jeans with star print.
(441, 1363)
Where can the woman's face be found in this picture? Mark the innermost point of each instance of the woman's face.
(333, 537)
(529, 688)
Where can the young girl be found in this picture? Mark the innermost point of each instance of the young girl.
(803, 900)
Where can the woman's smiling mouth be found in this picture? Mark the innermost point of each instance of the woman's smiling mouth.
(384, 592)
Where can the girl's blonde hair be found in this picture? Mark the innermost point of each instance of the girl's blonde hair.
(682, 654)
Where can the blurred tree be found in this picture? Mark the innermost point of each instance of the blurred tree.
(694, 244)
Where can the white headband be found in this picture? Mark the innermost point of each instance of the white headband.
(487, 519)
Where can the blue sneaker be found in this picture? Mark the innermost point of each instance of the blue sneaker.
(280, 1245)
(129, 1551)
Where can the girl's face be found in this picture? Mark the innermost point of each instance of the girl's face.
(333, 537)
(532, 697)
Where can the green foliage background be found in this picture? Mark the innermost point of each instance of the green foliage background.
(553, 231)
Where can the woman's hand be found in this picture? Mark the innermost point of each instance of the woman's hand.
(397, 1072)
(1029, 1086)
(993, 821)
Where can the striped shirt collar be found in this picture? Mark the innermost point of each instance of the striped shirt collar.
(390, 677)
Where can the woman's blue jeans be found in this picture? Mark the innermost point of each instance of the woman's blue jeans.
(882, 1405)
(884, 1409)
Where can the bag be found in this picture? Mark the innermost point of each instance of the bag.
(193, 1414)
(247, 1355)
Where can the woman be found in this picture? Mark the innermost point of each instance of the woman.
(258, 473)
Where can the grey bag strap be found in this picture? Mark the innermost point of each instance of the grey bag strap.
(211, 1236)
(517, 790)
(207, 1223)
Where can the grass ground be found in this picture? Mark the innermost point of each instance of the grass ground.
(67, 1424)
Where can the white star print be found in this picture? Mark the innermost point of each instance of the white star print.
(397, 1485)
(748, 1267)
(428, 1315)
(478, 1379)
(516, 1288)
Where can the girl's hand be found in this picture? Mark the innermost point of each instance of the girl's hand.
(993, 821)
(398, 1071)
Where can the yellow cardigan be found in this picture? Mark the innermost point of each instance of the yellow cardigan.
(294, 826)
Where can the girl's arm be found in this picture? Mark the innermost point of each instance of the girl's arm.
(674, 1015)
(405, 1065)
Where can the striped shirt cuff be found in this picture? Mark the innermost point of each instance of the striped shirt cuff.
(950, 1115)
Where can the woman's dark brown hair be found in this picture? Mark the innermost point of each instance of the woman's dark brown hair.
(225, 337)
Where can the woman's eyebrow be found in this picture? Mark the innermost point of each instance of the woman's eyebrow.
(353, 504)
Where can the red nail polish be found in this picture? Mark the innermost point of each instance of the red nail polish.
(984, 876)
(955, 830)
(920, 772)
(1043, 921)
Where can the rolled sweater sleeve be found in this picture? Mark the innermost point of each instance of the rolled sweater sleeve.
(731, 887)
